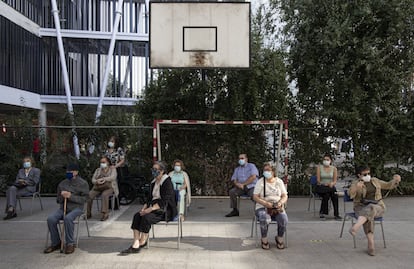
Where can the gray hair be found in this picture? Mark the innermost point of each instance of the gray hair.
(162, 165)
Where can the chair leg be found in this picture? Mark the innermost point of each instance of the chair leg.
(41, 204)
(20, 204)
(383, 234)
(353, 237)
(343, 224)
(253, 221)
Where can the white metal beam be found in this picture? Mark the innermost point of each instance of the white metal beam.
(83, 34)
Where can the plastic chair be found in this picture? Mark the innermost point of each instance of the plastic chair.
(113, 198)
(352, 215)
(32, 196)
(313, 181)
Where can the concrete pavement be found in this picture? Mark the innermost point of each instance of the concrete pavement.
(210, 240)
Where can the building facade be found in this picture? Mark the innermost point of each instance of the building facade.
(105, 65)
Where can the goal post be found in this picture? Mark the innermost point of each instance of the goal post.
(283, 140)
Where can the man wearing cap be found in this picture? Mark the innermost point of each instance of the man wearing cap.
(76, 191)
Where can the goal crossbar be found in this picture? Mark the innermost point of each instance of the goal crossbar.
(283, 139)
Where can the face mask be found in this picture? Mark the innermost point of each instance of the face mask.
(242, 162)
(155, 172)
(104, 165)
(366, 178)
(111, 144)
(326, 162)
(27, 164)
(69, 175)
(177, 168)
(267, 174)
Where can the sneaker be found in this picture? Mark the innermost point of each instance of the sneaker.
(338, 217)
(234, 213)
(130, 250)
(322, 216)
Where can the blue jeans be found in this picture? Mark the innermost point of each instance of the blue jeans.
(53, 222)
(280, 218)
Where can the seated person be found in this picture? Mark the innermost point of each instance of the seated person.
(270, 196)
(368, 204)
(327, 176)
(104, 184)
(161, 205)
(75, 191)
(26, 180)
(181, 183)
(244, 178)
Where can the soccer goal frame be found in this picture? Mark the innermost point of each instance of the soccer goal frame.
(282, 141)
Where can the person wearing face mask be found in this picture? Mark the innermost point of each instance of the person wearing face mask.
(270, 196)
(366, 194)
(117, 157)
(181, 183)
(104, 184)
(244, 179)
(327, 176)
(161, 205)
(75, 190)
(25, 184)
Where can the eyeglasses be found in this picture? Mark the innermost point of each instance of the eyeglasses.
(366, 174)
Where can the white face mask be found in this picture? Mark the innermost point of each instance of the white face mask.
(111, 144)
(104, 165)
(326, 162)
(366, 178)
(177, 168)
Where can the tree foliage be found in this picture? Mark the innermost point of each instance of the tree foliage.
(352, 63)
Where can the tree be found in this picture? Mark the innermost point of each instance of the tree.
(351, 61)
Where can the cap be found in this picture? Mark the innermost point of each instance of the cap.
(72, 167)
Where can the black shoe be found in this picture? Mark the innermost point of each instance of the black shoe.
(51, 249)
(338, 217)
(130, 250)
(322, 216)
(10, 215)
(234, 213)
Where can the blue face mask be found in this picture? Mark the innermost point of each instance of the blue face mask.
(69, 175)
(242, 162)
(155, 172)
(267, 174)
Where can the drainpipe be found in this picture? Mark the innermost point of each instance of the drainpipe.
(55, 13)
(109, 59)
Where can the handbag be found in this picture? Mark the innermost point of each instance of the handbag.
(102, 187)
(272, 211)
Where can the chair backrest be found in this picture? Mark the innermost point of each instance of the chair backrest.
(313, 180)
(347, 198)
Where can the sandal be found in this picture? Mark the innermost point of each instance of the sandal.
(265, 246)
(279, 244)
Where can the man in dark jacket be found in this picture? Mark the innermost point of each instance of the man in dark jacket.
(75, 190)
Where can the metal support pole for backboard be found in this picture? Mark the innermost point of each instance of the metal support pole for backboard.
(61, 49)
(109, 59)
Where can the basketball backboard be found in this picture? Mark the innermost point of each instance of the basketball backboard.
(199, 34)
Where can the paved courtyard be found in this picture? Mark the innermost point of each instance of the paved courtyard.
(210, 240)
